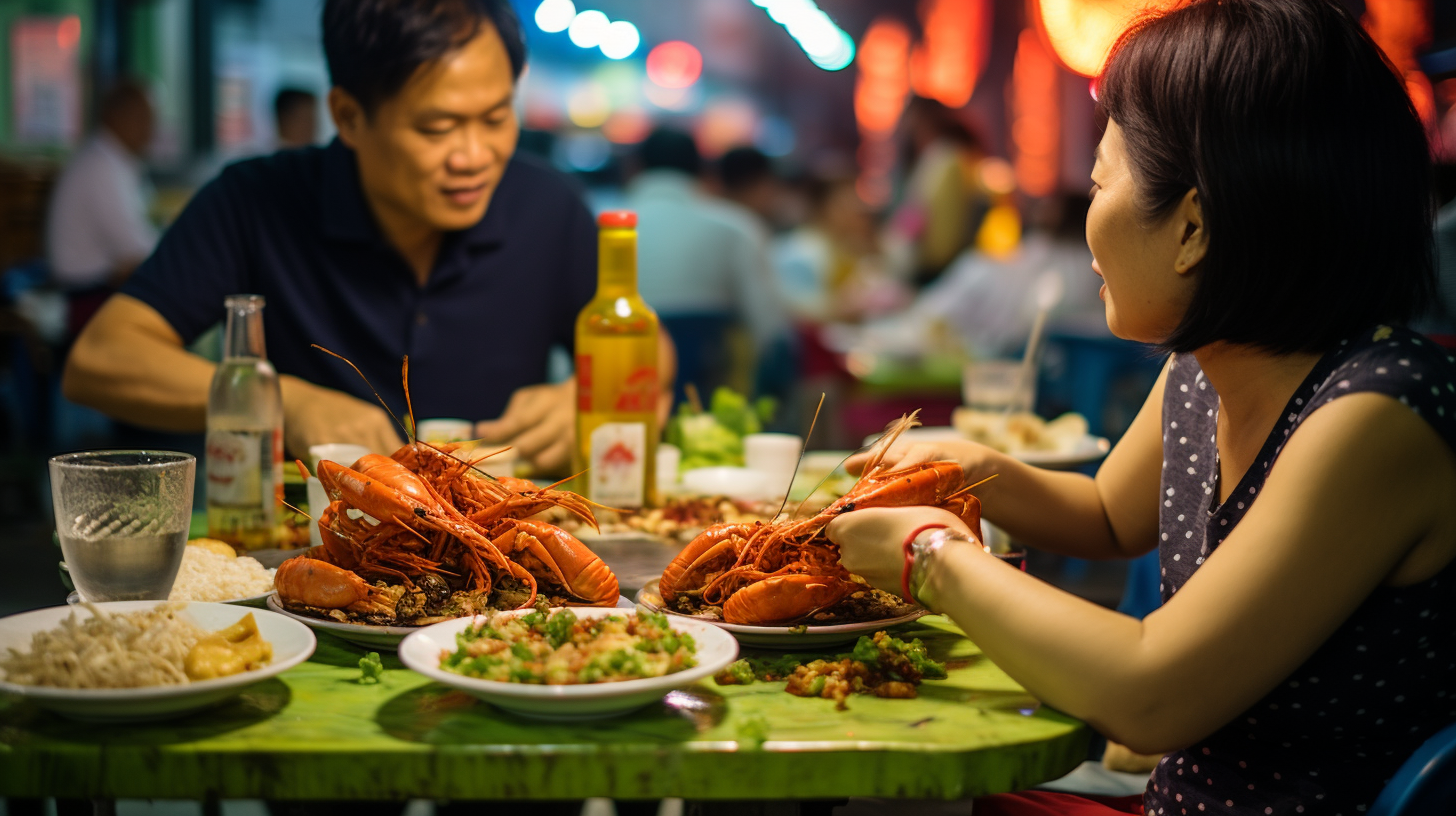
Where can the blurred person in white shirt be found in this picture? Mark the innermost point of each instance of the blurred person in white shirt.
(701, 262)
(97, 229)
(830, 268)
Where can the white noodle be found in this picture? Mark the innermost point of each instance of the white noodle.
(121, 650)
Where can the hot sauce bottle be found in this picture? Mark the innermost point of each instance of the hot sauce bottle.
(617, 383)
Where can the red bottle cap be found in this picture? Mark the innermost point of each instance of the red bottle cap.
(617, 219)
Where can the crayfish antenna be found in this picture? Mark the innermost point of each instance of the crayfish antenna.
(407, 432)
(892, 432)
(408, 404)
(802, 448)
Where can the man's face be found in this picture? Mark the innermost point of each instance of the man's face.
(433, 153)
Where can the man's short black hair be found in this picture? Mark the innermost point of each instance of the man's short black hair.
(743, 167)
(374, 46)
(1311, 166)
(669, 149)
(290, 99)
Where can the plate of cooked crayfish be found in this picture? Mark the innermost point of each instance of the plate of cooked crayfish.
(780, 584)
(801, 635)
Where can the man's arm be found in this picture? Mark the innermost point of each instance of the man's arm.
(129, 363)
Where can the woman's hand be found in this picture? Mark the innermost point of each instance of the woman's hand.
(975, 459)
(872, 541)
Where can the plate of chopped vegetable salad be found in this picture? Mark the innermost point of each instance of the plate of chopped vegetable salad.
(569, 663)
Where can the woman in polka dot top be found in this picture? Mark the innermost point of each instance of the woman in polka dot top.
(1261, 211)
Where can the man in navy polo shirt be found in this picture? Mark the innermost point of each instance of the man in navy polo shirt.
(417, 232)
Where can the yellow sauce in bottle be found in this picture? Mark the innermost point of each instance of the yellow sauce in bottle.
(617, 378)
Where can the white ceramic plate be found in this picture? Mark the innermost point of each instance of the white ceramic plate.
(421, 651)
(368, 636)
(783, 637)
(255, 601)
(1087, 449)
(292, 644)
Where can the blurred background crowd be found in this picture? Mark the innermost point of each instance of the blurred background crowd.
(850, 197)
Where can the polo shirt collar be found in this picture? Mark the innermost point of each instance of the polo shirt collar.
(346, 214)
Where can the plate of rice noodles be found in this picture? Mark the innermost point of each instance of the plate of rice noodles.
(137, 661)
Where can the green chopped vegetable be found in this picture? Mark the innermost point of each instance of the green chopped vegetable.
(371, 668)
(738, 673)
(753, 732)
(558, 627)
(715, 437)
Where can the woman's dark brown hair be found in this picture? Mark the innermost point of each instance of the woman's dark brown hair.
(1311, 166)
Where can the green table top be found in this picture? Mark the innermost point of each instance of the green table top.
(316, 732)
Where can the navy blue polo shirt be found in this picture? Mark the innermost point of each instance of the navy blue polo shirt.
(295, 228)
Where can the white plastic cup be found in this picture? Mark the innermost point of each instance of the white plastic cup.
(669, 457)
(440, 431)
(775, 455)
(998, 385)
(345, 455)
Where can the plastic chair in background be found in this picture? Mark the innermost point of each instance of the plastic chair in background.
(1425, 783)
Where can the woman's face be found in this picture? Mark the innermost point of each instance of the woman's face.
(1148, 270)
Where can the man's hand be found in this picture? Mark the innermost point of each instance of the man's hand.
(539, 423)
(314, 415)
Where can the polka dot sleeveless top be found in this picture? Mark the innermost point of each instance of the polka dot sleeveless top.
(1327, 739)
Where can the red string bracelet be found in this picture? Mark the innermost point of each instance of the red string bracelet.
(910, 557)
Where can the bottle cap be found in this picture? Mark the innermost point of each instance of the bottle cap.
(617, 219)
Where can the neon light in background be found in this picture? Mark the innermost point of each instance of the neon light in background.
(588, 28)
(879, 98)
(1082, 32)
(825, 43)
(1401, 28)
(617, 39)
(674, 64)
(621, 40)
(884, 77)
(554, 16)
(627, 126)
(1035, 116)
(946, 65)
(68, 32)
(588, 106)
(725, 123)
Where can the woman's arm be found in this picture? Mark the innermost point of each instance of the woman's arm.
(1113, 516)
(1360, 491)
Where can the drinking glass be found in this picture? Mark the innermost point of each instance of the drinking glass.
(123, 518)
(998, 386)
(1001, 545)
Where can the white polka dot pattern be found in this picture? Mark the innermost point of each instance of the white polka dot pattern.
(1325, 740)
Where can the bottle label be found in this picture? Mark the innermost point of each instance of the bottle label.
(235, 467)
(619, 464)
(244, 486)
(583, 383)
